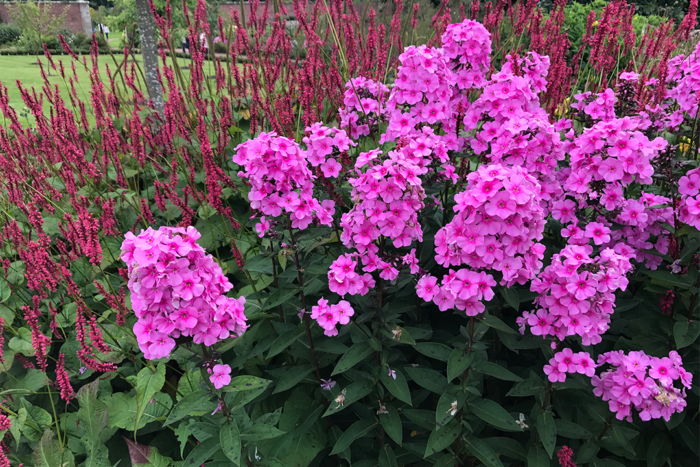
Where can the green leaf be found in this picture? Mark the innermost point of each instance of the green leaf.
(48, 453)
(352, 357)
(492, 413)
(507, 447)
(458, 362)
(530, 387)
(259, 431)
(547, 431)
(511, 297)
(441, 438)
(292, 377)
(427, 378)
(497, 371)
(246, 383)
(434, 350)
(37, 420)
(192, 402)
(123, 410)
(496, 323)
(18, 423)
(284, 341)
(685, 333)
(482, 451)
(5, 290)
(147, 384)
(183, 434)
(280, 296)
(571, 430)
(387, 457)
(606, 463)
(398, 387)
(353, 392)
(202, 452)
(391, 422)
(659, 450)
(688, 432)
(230, 440)
(587, 452)
(667, 279)
(537, 457)
(23, 343)
(619, 437)
(356, 430)
(93, 418)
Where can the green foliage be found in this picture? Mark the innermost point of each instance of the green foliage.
(37, 24)
(9, 33)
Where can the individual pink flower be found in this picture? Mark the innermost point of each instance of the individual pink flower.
(221, 376)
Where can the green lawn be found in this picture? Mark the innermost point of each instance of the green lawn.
(19, 67)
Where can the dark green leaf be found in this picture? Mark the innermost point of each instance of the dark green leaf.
(482, 451)
(571, 430)
(260, 431)
(497, 371)
(356, 430)
(191, 402)
(353, 392)
(292, 376)
(492, 413)
(246, 383)
(537, 457)
(659, 450)
(496, 323)
(387, 457)
(587, 452)
(202, 452)
(279, 297)
(284, 341)
(529, 387)
(606, 463)
(668, 279)
(685, 333)
(547, 431)
(352, 357)
(441, 438)
(427, 378)
(148, 383)
(458, 362)
(511, 297)
(507, 447)
(398, 387)
(391, 422)
(434, 350)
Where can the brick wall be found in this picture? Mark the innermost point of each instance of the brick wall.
(77, 14)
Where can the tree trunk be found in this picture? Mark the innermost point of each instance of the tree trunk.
(149, 52)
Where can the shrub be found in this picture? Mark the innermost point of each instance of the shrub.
(429, 270)
(9, 33)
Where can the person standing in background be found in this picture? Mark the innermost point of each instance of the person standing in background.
(106, 31)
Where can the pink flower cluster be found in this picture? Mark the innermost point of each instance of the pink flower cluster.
(328, 316)
(567, 361)
(178, 290)
(685, 72)
(600, 106)
(387, 198)
(462, 289)
(344, 278)
(689, 188)
(577, 294)
(511, 128)
(613, 153)
(467, 45)
(281, 181)
(220, 376)
(323, 142)
(364, 106)
(499, 218)
(642, 382)
(422, 92)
